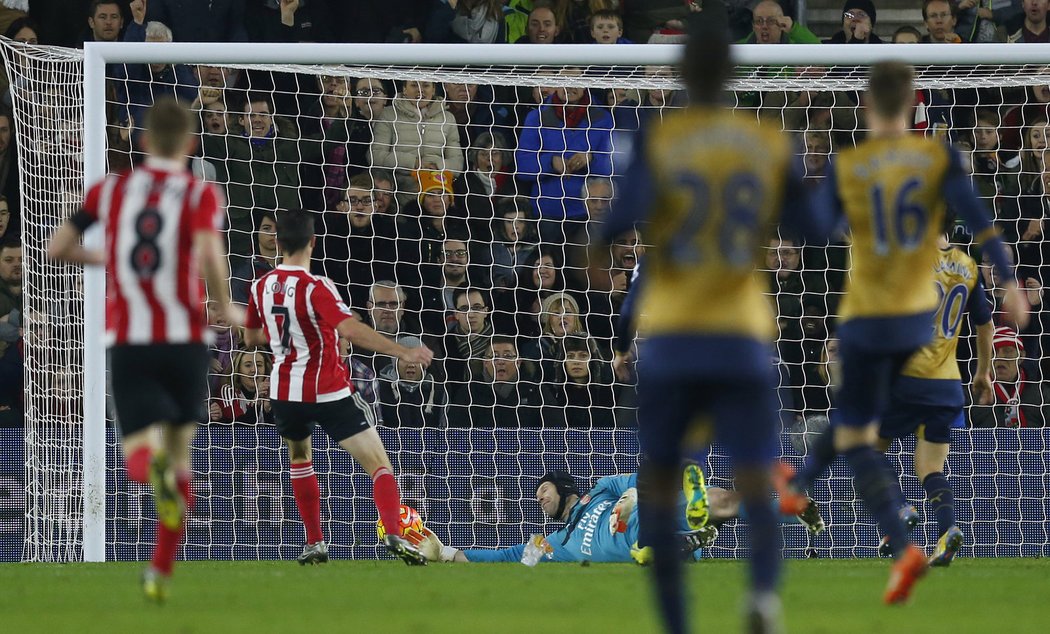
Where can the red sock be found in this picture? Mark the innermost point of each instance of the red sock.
(167, 545)
(137, 464)
(308, 499)
(387, 499)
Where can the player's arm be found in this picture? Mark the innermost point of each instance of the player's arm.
(65, 244)
(207, 245)
(811, 217)
(435, 550)
(959, 194)
(361, 334)
(633, 201)
(980, 311)
(623, 335)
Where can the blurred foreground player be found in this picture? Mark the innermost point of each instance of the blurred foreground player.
(710, 188)
(161, 232)
(299, 317)
(893, 189)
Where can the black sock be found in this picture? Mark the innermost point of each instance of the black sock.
(878, 488)
(657, 529)
(821, 454)
(939, 497)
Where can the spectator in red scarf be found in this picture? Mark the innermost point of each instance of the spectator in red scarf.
(1020, 400)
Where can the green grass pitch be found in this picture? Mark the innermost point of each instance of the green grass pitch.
(840, 597)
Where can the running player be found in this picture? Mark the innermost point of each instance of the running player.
(299, 317)
(161, 232)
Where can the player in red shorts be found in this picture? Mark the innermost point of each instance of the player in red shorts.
(161, 233)
(300, 317)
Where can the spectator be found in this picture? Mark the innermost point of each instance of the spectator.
(383, 188)
(259, 162)
(581, 388)
(105, 21)
(518, 308)
(357, 246)
(245, 398)
(858, 24)
(409, 396)
(624, 105)
(818, 154)
(370, 100)
(502, 398)
(597, 193)
(659, 98)
(907, 34)
(468, 338)
(226, 342)
(478, 112)
(514, 240)
(201, 20)
(437, 217)
(470, 21)
(24, 30)
(8, 225)
(976, 20)
(211, 102)
(329, 118)
(388, 313)
(398, 21)
(559, 318)
(10, 175)
(1020, 401)
(606, 27)
(542, 28)
(262, 262)
(488, 181)
(10, 292)
(1033, 29)
(563, 142)
(417, 132)
(940, 17)
(770, 24)
(440, 283)
(987, 165)
(148, 82)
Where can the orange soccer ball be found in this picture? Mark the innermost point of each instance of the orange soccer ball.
(411, 525)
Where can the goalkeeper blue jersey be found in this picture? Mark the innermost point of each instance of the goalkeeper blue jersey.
(585, 537)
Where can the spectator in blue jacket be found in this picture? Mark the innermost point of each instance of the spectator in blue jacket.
(564, 140)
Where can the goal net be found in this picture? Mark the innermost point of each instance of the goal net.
(428, 179)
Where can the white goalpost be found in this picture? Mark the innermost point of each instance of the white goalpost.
(471, 481)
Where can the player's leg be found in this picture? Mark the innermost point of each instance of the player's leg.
(295, 423)
(170, 477)
(900, 421)
(746, 421)
(725, 505)
(862, 398)
(351, 423)
(931, 454)
(665, 408)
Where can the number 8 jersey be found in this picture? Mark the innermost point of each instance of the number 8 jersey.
(154, 292)
(299, 313)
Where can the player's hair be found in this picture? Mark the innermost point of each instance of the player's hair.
(295, 228)
(605, 14)
(907, 28)
(890, 88)
(168, 125)
(706, 63)
(952, 7)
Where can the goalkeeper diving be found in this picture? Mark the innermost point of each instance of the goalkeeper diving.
(602, 525)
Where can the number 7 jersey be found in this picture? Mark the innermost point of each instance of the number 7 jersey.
(299, 313)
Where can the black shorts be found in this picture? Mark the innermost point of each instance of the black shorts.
(159, 383)
(932, 423)
(340, 419)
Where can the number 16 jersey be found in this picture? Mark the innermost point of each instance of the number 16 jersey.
(299, 313)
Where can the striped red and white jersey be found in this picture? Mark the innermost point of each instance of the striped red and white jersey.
(154, 291)
(299, 313)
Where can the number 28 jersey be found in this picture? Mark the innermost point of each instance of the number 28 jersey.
(154, 291)
(299, 313)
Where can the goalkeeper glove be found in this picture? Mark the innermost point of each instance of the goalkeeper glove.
(621, 513)
(433, 549)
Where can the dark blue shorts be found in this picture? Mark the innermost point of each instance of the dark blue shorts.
(742, 414)
(932, 423)
(867, 380)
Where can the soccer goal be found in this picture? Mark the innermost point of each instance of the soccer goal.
(466, 460)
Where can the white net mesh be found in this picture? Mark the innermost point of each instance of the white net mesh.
(498, 217)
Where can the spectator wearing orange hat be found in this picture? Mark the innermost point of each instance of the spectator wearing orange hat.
(1020, 400)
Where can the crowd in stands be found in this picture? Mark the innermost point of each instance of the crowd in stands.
(458, 216)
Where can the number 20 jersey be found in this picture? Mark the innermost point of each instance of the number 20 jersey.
(718, 186)
(150, 216)
(299, 313)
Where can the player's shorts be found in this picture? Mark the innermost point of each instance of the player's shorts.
(867, 381)
(339, 419)
(743, 413)
(932, 423)
(159, 383)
